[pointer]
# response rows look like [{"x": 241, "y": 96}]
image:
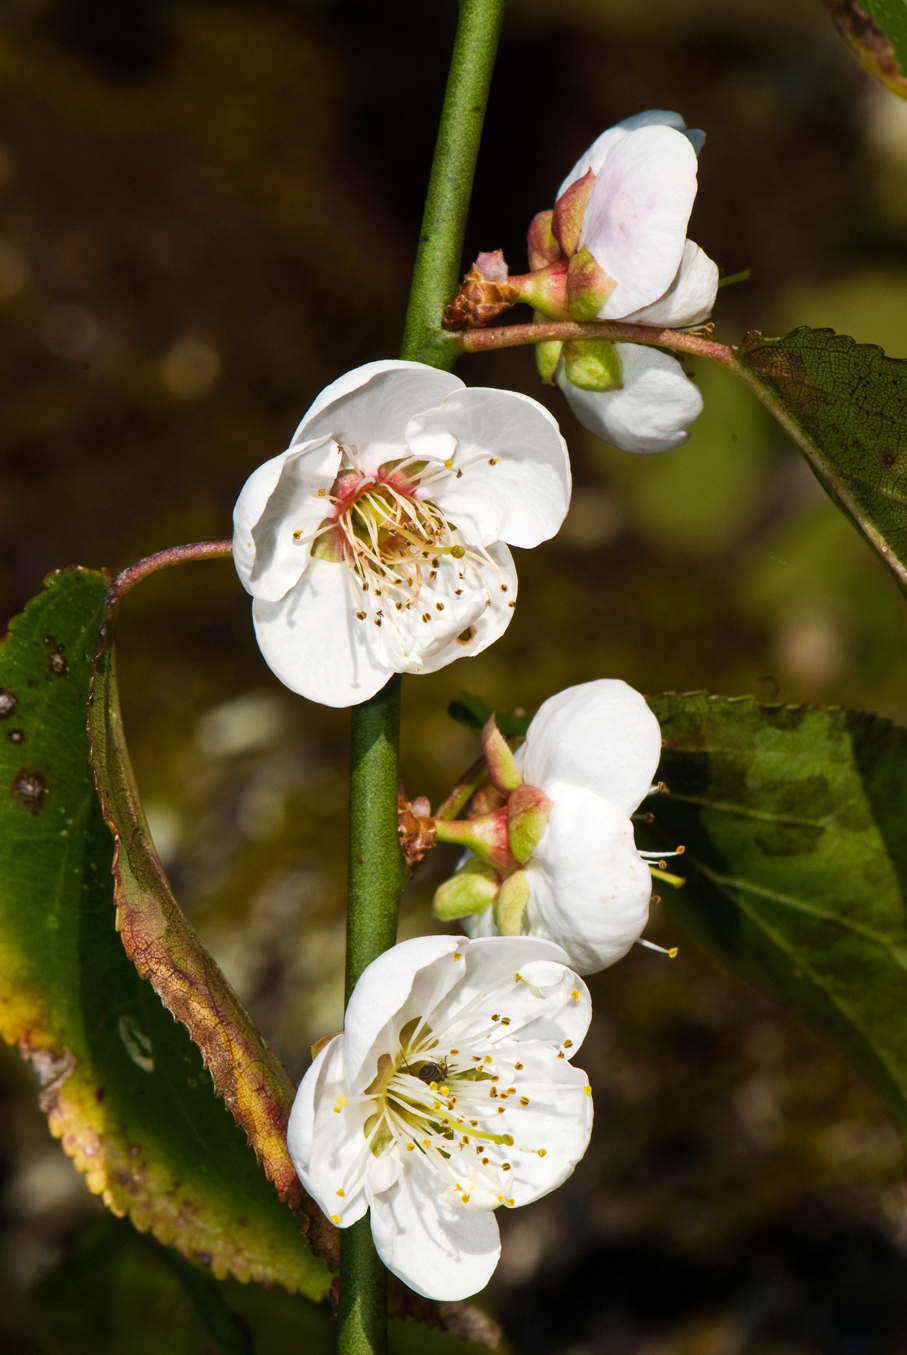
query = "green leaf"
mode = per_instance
[
  {"x": 796, "y": 863},
  {"x": 124, "y": 1086},
  {"x": 474, "y": 712},
  {"x": 845, "y": 404},
  {"x": 165, "y": 949},
  {"x": 876, "y": 32}
]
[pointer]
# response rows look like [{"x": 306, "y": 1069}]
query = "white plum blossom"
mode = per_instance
[
  {"x": 615, "y": 248},
  {"x": 449, "y": 1094},
  {"x": 377, "y": 543},
  {"x": 556, "y": 858}
]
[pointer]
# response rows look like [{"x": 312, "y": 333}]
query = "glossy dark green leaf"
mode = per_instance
[
  {"x": 845, "y": 404},
  {"x": 796, "y": 863},
  {"x": 474, "y": 712},
  {"x": 125, "y": 1088}
]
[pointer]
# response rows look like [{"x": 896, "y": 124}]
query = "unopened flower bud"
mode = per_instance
[
  {"x": 484, "y": 293},
  {"x": 593, "y": 365}
]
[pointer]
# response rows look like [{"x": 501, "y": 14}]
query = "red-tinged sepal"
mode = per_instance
[
  {"x": 471, "y": 890},
  {"x": 510, "y": 903},
  {"x": 487, "y": 838},
  {"x": 588, "y": 287},
  {"x": 527, "y": 817},
  {"x": 569, "y": 210},
  {"x": 543, "y": 244},
  {"x": 499, "y": 759},
  {"x": 545, "y": 290}
]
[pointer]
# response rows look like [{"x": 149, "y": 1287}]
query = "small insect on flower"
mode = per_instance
[{"x": 418, "y": 1140}]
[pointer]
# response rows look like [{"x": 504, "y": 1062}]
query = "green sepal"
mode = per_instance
[
  {"x": 510, "y": 903},
  {"x": 473, "y": 889},
  {"x": 593, "y": 365}
]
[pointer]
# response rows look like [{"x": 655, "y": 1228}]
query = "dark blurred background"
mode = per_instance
[{"x": 207, "y": 212}]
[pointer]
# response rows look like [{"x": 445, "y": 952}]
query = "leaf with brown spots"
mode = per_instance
[
  {"x": 876, "y": 33},
  {"x": 845, "y": 405},
  {"x": 124, "y": 1087},
  {"x": 165, "y": 949}
]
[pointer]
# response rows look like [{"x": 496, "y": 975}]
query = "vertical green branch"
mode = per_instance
[
  {"x": 376, "y": 875},
  {"x": 438, "y": 261}
]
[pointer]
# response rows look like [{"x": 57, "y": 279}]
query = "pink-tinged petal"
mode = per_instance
[
  {"x": 589, "y": 889},
  {"x": 274, "y": 520},
  {"x": 314, "y": 642},
  {"x": 636, "y": 221},
  {"x": 325, "y": 1142},
  {"x": 439, "y": 1251},
  {"x": 514, "y": 482},
  {"x": 369, "y": 408},
  {"x": 689, "y": 299},
  {"x": 399, "y": 984},
  {"x": 598, "y": 735},
  {"x": 652, "y": 410},
  {"x": 595, "y": 157}
]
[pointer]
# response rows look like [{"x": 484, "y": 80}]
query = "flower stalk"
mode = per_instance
[{"x": 376, "y": 871}]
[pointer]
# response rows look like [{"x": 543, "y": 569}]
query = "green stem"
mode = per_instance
[
  {"x": 376, "y": 875},
  {"x": 439, "y": 258}
]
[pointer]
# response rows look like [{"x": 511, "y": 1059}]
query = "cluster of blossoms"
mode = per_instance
[{"x": 378, "y": 543}]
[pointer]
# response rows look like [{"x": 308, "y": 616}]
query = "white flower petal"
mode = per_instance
[
  {"x": 396, "y": 986},
  {"x": 589, "y": 889},
  {"x": 439, "y": 1251},
  {"x": 514, "y": 481},
  {"x": 636, "y": 221},
  {"x": 557, "y": 1120},
  {"x": 368, "y": 409},
  {"x": 280, "y": 535},
  {"x": 689, "y": 299},
  {"x": 598, "y": 735},
  {"x": 324, "y": 1144},
  {"x": 312, "y": 640},
  {"x": 594, "y": 158},
  {"x": 467, "y": 625},
  {"x": 652, "y": 410}
]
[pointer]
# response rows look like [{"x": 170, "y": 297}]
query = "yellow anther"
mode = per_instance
[
  {"x": 505, "y": 1166},
  {"x": 524, "y": 1100},
  {"x": 568, "y": 1044},
  {"x": 465, "y": 1199},
  {"x": 432, "y": 1086},
  {"x": 496, "y": 1018},
  {"x": 457, "y": 955},
  {"x": 426, "y": 1143},
  {"x": 410, "y": 1147},
  {"x": 509, "y": 1203},
  {"x": 560, "y": 1053},
  {"x": 518, "y": 1066},
  {"x": 341, "y": 1102},
  {"x": 341, "y": 1192},
  {"x": 575, "y": 995},
  {"x": 445, "y": 1091},
  {"x": 454, "y": 1052},
  {"x": 508, "y": 1139},
  {"x": 448, "y": 463},
  {"x": 672, "y": 953},
  {"x": 542, "y": 1152},
  {"x": 322, "y": 493},
  {"x": 488, "y": 1058},
  {"x": 500, "y": 1110},
  {"x": 335, "y": 1218},
  {"x": 297, "y": 534},
  {"x": 587, "y": 1090},
  {"x": 505, "y": 1020}
]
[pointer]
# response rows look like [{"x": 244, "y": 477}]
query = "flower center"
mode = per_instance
[{"x": 387, "y": 530}]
